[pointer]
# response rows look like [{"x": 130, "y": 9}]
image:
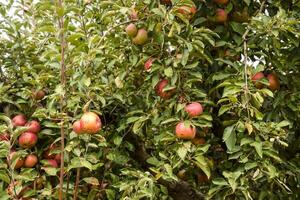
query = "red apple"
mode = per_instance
[
  {"x": 28, "y": 140},
  {"x": 274, "y": 83},
  {"x": 184, "y": 132},
  {"x": 194, "y": 109},
  {"x": 148, "y": 64},
  {"x": 48, "y": 153},
  {"x": 187, "y": 11},
  {"x": 4, "y": 137},
  {"x": 221, "y": 16},
  {"x": 256, "y": 78},
  {"x": 39, "y": 94},
  {"x": 77, "y": 127},
  {"x": 198, "y": 141},
  {"x": 51, "y": 163},
  {"x": 166, "y": 2},
  {"x": 30, "y": 161},
  {"x": 19, "y": 120},
  {"x": 202, "y": 178},
  {"x": 131, "y": 30},
  {"x": 159, "y": 89},
  {"x": 90, "y": 123},
  {"x": 34, "y": 126},
  {"x": 221, "y": 2},
  {"x": 20, "y": 161},
  {"x": 57, "y": 158}
]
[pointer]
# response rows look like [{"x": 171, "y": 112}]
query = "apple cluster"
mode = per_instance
[{"x": 273, "y": 80}]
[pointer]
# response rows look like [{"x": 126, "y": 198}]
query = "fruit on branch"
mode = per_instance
[
  {"x": 198, "y": 141},
  {"x": 183, "y": 132},
  {"x": 141, "y": 37},
  {"x": 133, "y": 14},
  {"x": 187, "y": 11},
  {"x": 194, "y": 109},
  {"x": 4, "y": 137},
  {"x": 27, "y": 140},
  {"x": 90, "y": 123},
  {"x": 33, "y": 126},
  {"x": 39, "y": 94},
  {"x": 166, "y": 2},
  {"x": 182, "y": 174},
  {"x": 221, "y": 15},
  {"x": 148, "y": 64},
  {"x": 49, "y": 153},
  {"x": 159, "y": 89},
  {"x": 131, "y": 30},
  {"x": 57, "y": 158},
  {"x": 240, "y": 16},
  {"x": 19, "y": 120},
  {"x": 221, "y": 2},
  {"x": 256, "y": 78},
  {"x": 50, "y": 163},
  {"x": 12, "y": 157},
  {"x": 77, "y": 127},
  {"x": 274, "y": 83},
  {"x": 30, "y": 161},
  {"x": 202, "y": 178}
]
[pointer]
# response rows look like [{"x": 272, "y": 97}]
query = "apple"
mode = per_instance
[
  {"x": 194, "y": 109},
  {"x": 274, "y": 83},
  {"x": 20, "y": 161},
  {"x": 28, "y": 140},
  {"x": 221, "y": 16},
  {"x": 166, "y": 2},
  {"x": 133, "y": 14},
  {"x": 160, "y": 87},
  {"x": 48, "y": 152},
  {"x": 4, "y": 137},
  {"x": 141, "y": 37},
  {"x": 39, "y": 94},
  {"x": 256, "y": 78},
  {"x": 202, "y": 178},
  {"x": 148, "y": 64},
  {"x": 183, "y": 132},
  {"x": 33, "y": 126},
  {"x": 221, "y": 2},
  {"x": 182, "y": 174},
  {"x": 50, "y": 163},
  {"x": 57, "y": 158},
  {"x": 30, "y": 161},
  {"x": 198, "y": 141},
  {"x": 187, "y": 11},
  {"x": 19, "y": 120},
  {"x": 90, "y": 123},
  {"x": 77, "y": 127},
  {"x": 131, "y": 30}
]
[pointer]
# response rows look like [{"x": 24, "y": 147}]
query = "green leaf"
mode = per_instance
[
  {"x": 258, "y": 148},
  {"x": 202, "y": 163},
  {"x": 229, "y": 137},
  {"x": 168, "y": 72},
  {"x": 91, "y": 180}
]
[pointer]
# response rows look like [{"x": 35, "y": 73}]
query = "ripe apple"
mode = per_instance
[
  {"x": 28, "y": 140},
  {"x": 141, "y": 37},
  {"x": 19, "y": 120},
  {"x": 202, "y": 178},
  {"x": 39, "y": 94},
  {"x": 166, "y": 2},
  {"x": 57, "y": 158},
  {"x": 198, "y": 141},
  {"x": 187, "y": 11},
  {"x": 221, "y": 16},
  {"x": 160, "y": 87},
  {"x": 30, "y": 161},
  {"x": 221, "y": 2},
  {"x": 131, "y": 30},
  {"x": 48, "y": 153},
  {"x": 184, "y": 132},
  {"x": 20, "y": 161},
  {"x": 148, "y": 64},
  {"x": 51, "y": 163},
  {"x": 34, "y": 126},
  {"x": 274, "y": 83},
  {"x": 77, "y": 127},
  {"x": 256, "y": 78},
  {"x": 4, "y": 137},
  {"x": 194, "y": 109},
  {"x": 90, "y": 123}
]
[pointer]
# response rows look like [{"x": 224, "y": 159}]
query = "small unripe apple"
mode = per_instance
[
  {"x": 221, "y": 16},
  {"x": 50, "y": 163},
  {"x": 27, "y": 140},
  {"x": 194, "y": 109},
  {"x": 34, "y": 126},
  {"x": 133, "y": 14},
  {"x": 141, "y": 37},
  {"x": 182, "y": 174},
  {"x": 256, "y": 78},
  {"x": 39, "y": 94},
  {"x": 20, "y": 161},
  {"x": 274, "y": 83},
  {"x": 184, "y": 132},
  {"x": 4, "y": 137},
  {"x": 148, "y": 64},
  {"x": 160, "y": 87},
  {"x": 19, "y": 120},
  {"x": 77, "y": 127},
  {"x": 131, "y": 30},
  {"x": 221, "y": 2},
  {"x": 30, "y": 161},
  {"x": 90, "y": 123}
]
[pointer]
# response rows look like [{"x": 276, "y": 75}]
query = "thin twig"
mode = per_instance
[{"x": 76, "y": 183}]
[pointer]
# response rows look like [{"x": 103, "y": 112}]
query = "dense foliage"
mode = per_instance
[{"x": 139, "y": 80}]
